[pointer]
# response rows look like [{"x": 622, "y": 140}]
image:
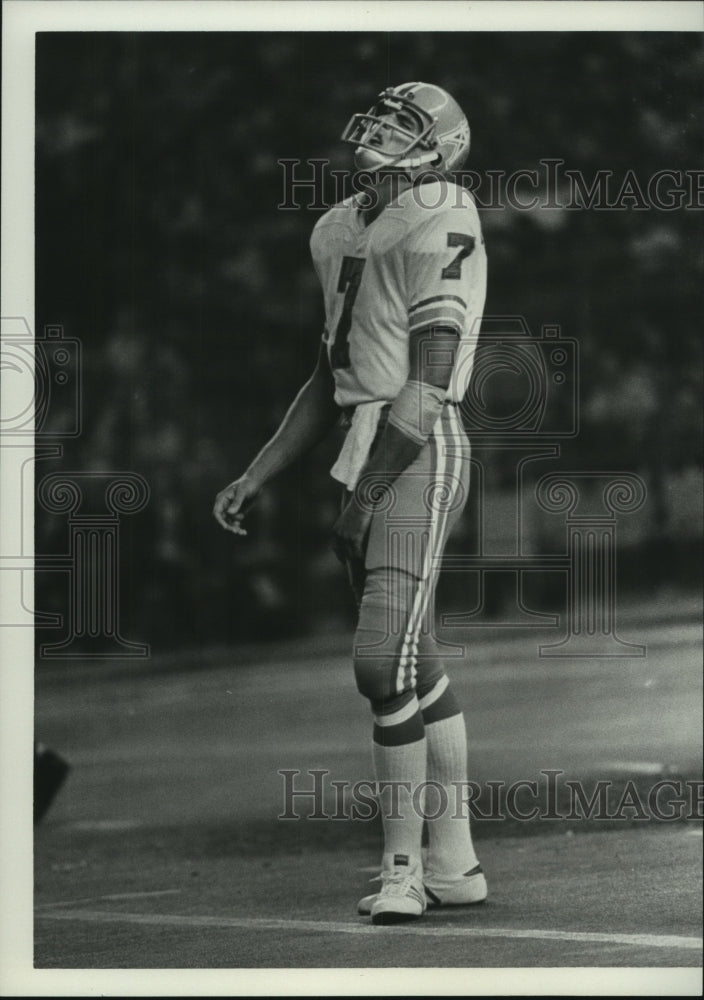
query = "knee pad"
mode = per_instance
[{"x": 384, "y": 664}]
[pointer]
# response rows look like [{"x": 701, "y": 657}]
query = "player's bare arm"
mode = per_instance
[
  {"x": 411, "y": 419},
  {"x": 309, "y": 418}
]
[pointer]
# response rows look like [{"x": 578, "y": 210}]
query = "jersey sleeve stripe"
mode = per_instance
[
  {"x": 436, "y": 317},
  {"x": 437, "y": 298},
  {"x": 445, "y": 324},
  {"x": 444, "y": 309}
]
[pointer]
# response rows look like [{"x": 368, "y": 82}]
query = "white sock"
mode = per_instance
[
  {"x": 450, "y": 849},
  {"x": 402, "y": 820}
]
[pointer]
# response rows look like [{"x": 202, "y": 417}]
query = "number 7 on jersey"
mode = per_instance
[
  {"x": 348, "y": 282},
  {"x": 466, "y": 243}
]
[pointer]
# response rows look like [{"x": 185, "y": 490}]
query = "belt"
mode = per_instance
[{"x": 348, "y": 411}]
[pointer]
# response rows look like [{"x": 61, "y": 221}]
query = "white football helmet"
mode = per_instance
[{"x": 408, "y": 126}]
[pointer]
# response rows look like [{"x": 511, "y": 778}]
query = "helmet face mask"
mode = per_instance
[
  {"x": 380, "y": 133},
  {"x": 409, "y": 126}
]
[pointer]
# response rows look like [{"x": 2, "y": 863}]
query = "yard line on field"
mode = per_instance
[
  {"x": 341, "y": 927},
  {"x": 645, "y": 767},
  {"x": 105, "y": 825},
  {"x": 112, "y": 895}
]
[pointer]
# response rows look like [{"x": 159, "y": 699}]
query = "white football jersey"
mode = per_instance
[{"x": 420, "y": 263}]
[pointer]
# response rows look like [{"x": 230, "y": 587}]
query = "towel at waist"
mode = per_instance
[{"x": 363, "y": 422}]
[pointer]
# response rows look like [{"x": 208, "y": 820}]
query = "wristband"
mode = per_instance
[{"x": 416, "y": 409}]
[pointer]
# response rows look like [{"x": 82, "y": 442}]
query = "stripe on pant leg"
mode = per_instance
[
  {"x": 436, "y": 460},
  {"x": 438, "y": 523},
  {"x": 434, "y": 549},
  {"x": 441, "y": 537}
]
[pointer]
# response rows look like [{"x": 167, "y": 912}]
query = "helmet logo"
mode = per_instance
[{"x": 457, "y": 139}]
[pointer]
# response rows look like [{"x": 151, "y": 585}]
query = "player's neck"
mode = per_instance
[
  {"x": 369, "y": 215},
  {"x": 377, "y": 198}
]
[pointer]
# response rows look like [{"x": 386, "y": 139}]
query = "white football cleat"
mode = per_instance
[
  {"x": 402, "y": 896},
  {"x": 465, "y": 890}
]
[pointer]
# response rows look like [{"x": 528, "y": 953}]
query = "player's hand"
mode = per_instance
[
  {"x": 232, "y": 503},
  {"x": 350, "y": 532}
]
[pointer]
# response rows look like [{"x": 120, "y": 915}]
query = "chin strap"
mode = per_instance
[
  {"x": 389, "y": 162},
  {"x": 417, "y": 161}
]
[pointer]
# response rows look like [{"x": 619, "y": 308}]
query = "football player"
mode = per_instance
[{"x": 402, "y": 267}]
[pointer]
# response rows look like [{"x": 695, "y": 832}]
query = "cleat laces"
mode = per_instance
[{"x": 396, "y": 883}]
